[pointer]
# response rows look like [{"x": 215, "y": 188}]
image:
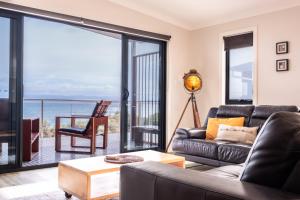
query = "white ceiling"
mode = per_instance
[{"x": 195, "y": 14}]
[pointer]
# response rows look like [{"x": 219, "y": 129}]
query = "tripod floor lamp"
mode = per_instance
[{"x": 192, "y": 83}]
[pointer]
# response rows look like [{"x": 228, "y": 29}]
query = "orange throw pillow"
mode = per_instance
[{"x": 213, "y": 125}]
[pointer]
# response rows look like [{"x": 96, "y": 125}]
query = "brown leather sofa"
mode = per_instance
[
  {"x": 271, "y": 171},
  {"x": 191, "y": 143}
]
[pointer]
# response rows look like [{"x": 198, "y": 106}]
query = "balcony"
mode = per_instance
[
  {"x": 142, "y": 134},
  {"x": 47, "y": 109}
]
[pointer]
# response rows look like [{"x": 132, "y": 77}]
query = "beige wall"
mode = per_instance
[
  {"x": 273, "y": 87},
  {"x": 178, "y": 47},
  {"x": 200, "y": 49}
]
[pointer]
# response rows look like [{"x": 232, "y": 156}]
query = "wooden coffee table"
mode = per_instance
[{"x": 93, "y": 178}]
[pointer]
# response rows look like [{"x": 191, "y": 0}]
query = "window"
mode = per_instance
[
  {"x": 239, "y": 69},
  {"x": 4, "y": 57}
]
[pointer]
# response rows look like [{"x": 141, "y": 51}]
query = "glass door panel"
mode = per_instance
[
  {"x": 142, "y": 95},
  {"x": 7, "y": 93}
]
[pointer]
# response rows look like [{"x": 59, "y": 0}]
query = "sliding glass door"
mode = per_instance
[
  {"x": 9, "y": 92},
  {"x": 143, "y": 103},
  {"x": 93, "y": 56}
]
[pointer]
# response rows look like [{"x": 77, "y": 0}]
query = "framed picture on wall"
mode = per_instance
[
  {"x": 282, "y": 47},
  {"x": 282, "y": 65}
]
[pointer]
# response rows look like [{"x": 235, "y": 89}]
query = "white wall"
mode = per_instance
[{"x": 273, "y": 87}]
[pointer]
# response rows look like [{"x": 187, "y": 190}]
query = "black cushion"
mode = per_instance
[
  {"x": 225, "y": 111},
  {"x": 257, "y": 122},
  {"x": 192, "y": 133},
  {"x": 275, "y": 153},
  {"x": 263, "y": 112},
  {"x": 229, "y": 171},
  {"x": 73, "y": 130},
  {"x": 197, "y": 133},
  {"x": 233, "y": 152},
  {"x": 198, "y": 147}
]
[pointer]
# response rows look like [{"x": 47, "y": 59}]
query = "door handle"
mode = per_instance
[{"x": 125, "y": 94}]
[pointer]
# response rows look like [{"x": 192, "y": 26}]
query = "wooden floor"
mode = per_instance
[
  {"x": 42, "y": 184},
  {"x": 30, "y": 185}
]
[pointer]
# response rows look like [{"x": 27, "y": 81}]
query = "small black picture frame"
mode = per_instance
[
  {"x": 282, "y": 47},
  {"x": 282, "y": 65}
]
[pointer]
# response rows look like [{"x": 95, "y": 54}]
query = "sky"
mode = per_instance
[
  {"x": 68, "y": 62},
  {"x": 63, "y": 61}
]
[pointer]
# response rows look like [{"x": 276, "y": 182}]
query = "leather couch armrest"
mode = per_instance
[
  {"x": 190, "y": 133},
  {"x": 156, "y": 181}
]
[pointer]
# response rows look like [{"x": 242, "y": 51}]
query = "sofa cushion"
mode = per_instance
[
  {"x": 263, "y": 112},
  {"x": 226, "y": 111},
  {"x": 214, "y": 123},
  {"x": 277, "y": 143},
  {"x": 233, "y": 152},
  {"x": 198, "y": 147},
  {"x": 229, "y": 171},
  {"x": 245, "y": 135}
]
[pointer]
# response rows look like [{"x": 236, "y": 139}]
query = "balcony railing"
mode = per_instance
[{"x": 48, "y": 109}]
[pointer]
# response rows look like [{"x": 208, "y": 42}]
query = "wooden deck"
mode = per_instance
[{"x": 48, "y": 155}]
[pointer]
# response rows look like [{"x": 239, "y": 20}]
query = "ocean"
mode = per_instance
[{"x": 51, "y": 109}]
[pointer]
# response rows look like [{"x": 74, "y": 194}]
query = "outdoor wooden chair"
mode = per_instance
[{"x": 89, "y": 132}]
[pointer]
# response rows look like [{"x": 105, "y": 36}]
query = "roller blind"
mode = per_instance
[{"x": 238, "y": 41}]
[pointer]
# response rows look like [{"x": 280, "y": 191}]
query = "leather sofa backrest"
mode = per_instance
[
  {"x": 225, "y": 111},
  {"x": 274, "y": 157},
  {"x": 263, "y": 112},
  {"x": 212, "y": 113}
]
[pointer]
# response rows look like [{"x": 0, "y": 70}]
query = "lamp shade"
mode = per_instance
[{"x": 192, "y": 81}]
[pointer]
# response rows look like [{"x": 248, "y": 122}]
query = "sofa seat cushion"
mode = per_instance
[
  {"x": 198, "y": 147},
  {"x": 229, "y": 171},
  {"x": 233, "y": 152}
]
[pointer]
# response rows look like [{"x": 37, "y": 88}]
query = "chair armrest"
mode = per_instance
[
  {"x": 74, "y": 117},
  {"x": 159, "y": 181},
  {"x": 79, "y": 116},
  {"x": 190, "y": 133}
]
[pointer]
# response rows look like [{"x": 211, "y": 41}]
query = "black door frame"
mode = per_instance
[
  {"x": 16, "y": 50},
  {"x": 125, "y": 89}
]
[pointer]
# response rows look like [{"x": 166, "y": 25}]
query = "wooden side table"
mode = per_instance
[{"x": 31, "y": 137}]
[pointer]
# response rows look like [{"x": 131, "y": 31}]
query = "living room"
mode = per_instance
[{"x": 217, "y": 67}]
